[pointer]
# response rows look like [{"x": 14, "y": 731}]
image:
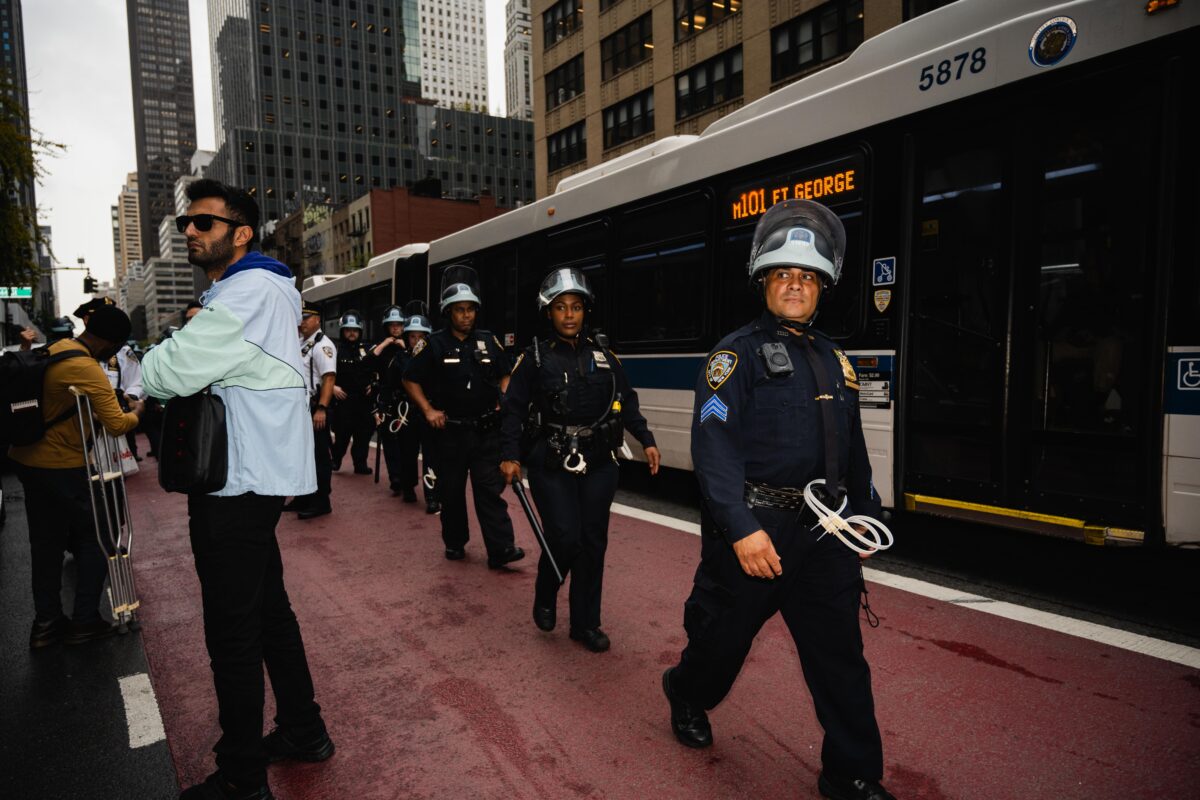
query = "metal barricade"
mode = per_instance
[{"x": 110, "y": 511}]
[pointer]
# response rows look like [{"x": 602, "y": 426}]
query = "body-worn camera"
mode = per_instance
[{"x": 776, "y": 359}]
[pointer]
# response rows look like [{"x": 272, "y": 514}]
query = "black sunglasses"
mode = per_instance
[{"x": 203, "y": 222}]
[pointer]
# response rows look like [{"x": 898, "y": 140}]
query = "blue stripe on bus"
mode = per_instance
[{"x": 663, "y": 372}]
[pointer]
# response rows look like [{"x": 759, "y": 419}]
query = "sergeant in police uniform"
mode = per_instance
[
  {"x": 318, "y": 359},
  {"x": 456, "y": 381},
  {"x": 777, "y": 407},
  {"x": 581, "y": 403},
  {"x": 352, "y": 417}
]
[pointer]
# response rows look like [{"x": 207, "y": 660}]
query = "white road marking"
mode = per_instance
[
  {"x": 141, "y": 711},
  {"x": 1114, "y": 637}
]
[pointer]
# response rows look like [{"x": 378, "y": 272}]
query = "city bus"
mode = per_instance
[{"x": 1017, "y": 296}]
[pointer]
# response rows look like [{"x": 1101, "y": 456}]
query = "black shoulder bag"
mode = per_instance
[{"x": 194, "y": 451}]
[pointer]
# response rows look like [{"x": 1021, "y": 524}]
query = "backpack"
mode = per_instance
[{"x": 22, "y": 384}]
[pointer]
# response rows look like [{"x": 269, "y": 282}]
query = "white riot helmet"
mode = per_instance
[
  {"x": 460, "y": 284},
  {"x": 799, "y": 233},
  {"x": 393, "y": 314},
  {"x": 418, "y": 324},
  {"x": 564, "y": 281},
  {"x": 352, "y": 320}
]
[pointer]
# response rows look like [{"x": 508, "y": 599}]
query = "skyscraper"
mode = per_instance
[
  {"x": 164, "y": 109},
  {"x": 518, "y": 60},
  {"x": 317, "y": 103},
  {"x": 127, "y": 229},
  {"x": 454, "y": 53}
]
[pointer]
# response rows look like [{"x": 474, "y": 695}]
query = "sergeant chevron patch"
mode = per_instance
[{"x": 714, "y": 408}]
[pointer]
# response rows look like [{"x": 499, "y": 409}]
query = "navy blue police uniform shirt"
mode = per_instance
[
  {"x": 747, "y": 426},
  {"x": 355, "y": 368},
  {"x": 461, "y": 378},
  {"x": 582, "y": 377},
  {"x": 391, "y": 381}
]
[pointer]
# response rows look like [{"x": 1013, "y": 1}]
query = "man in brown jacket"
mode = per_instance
[{"x": 55, "y": 480}]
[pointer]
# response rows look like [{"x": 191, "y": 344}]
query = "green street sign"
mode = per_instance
[{"x": 16, "y": 292}]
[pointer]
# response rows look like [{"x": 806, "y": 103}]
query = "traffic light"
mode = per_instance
[{"x": 89, "y": 284}]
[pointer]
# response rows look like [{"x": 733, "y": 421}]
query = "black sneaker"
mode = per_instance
[
  {"x": 279, "y": 746},
  {"x": 837, "y": 788},
  {"x": 49, "y": 633},
  {"x": 513, "y": 553},
  {"x": 215, "y": 787},
  {"x": 95, "y": 630}
]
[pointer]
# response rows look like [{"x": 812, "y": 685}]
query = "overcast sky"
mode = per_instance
[{"x": 77, "y": 60}]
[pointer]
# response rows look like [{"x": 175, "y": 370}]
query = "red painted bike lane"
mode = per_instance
[{"x": 436, "y": 684}]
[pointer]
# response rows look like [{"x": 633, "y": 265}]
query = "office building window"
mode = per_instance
[
  {"x": 564, "y": 83},
  {"x": 629, "y": 119},
  {"x": 709, "y": 83},
  {"x": 566, "y": 147},
  {"x": 561, "y": 20},
  {"x": 694, "y": 16},
  {"x": 631, "y": 45},
  {"x": 826, "y": 32}
]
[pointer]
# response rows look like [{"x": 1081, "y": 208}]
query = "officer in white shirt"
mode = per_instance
[{"x": 318, "y": 359}]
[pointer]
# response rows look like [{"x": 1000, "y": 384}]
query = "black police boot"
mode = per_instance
[
  {"x": 688, "y": 721},
  {"x": 362, "y": 469},
  {"x": 511, "y": 554},
  {"x": 593, "y": 639},
  {"x": 432, "y": 506},
  {"x": 318, "y": 510},
  {"x": 216, "y": 787},
  {"x": 455, "y": 554},
  {"x": 410, "y": 495},
  {"x": 837, "y": 788},
  {"x": 45, "y": 634},
  {"x": 281, "y": 745},
  {"x": 545, "y": 616},
  {"x": 95, "y": 630}
]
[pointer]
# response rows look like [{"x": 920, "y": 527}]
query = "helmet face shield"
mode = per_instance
[
  {"x": 799, "y": 233},
  {"x": 460, "y": 284},
  {"x": 393, "y": 314},
  {"x": 414, "y": 307},
  {"x": 564, "y": 281}
]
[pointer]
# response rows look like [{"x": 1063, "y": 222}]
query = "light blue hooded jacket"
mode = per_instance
[{"x": 244, "y": 344}]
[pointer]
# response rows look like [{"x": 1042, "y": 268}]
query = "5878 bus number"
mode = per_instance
[{"x": 952, "y": 69}]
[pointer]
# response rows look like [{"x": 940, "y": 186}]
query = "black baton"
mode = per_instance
[
  {"x": 519, "y": 488},
  {"x": 378, "y": 447}
]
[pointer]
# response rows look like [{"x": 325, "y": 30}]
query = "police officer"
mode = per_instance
[
  {"x": 776, "y": 408},
  {"x": 405, "y": 430},
  {"x": 581, "y": 402},
  {"x": 318, "y": 364},
  {"x": 352, "y": 417},
  {"x": 388, "y": 392},
  {"x": 456, "y": 381}
]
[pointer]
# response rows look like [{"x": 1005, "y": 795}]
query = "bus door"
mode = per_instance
[{"x": 958, "y": 321}]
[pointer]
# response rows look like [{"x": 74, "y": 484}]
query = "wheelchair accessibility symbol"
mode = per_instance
[{"x": 1189, "y": 374}]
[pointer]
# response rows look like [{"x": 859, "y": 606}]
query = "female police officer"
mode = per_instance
[
  {"x": 776, "y": 408},
  {"x": 581, "y": 402}
]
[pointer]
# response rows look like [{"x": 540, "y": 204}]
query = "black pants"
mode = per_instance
[
  {"x": 460, "y": 450},
  {"x": 248, "y": 622},
  {"x": 60, "y": 518},
  {"x": 574, "y": 510},
  {"x": 353, "y": 420},
  {"x": 152, "y": 423},
  {"x": 400, "y": 451},
  {"x": 818, "y": 595},
  {"x": 321, "y": 452}
]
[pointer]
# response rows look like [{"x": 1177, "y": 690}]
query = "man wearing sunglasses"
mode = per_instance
[{"x": 242, "y": 344}]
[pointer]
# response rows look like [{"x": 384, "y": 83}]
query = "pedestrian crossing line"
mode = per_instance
[
  {"x": 141, "y": 711},
  {"x": 1103, "y": 634}
]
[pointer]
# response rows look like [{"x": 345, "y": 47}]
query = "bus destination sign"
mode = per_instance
[{"x": 835, "y": 182}]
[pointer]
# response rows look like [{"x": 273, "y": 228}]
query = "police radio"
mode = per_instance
[{"x": 776, "y": 359}]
